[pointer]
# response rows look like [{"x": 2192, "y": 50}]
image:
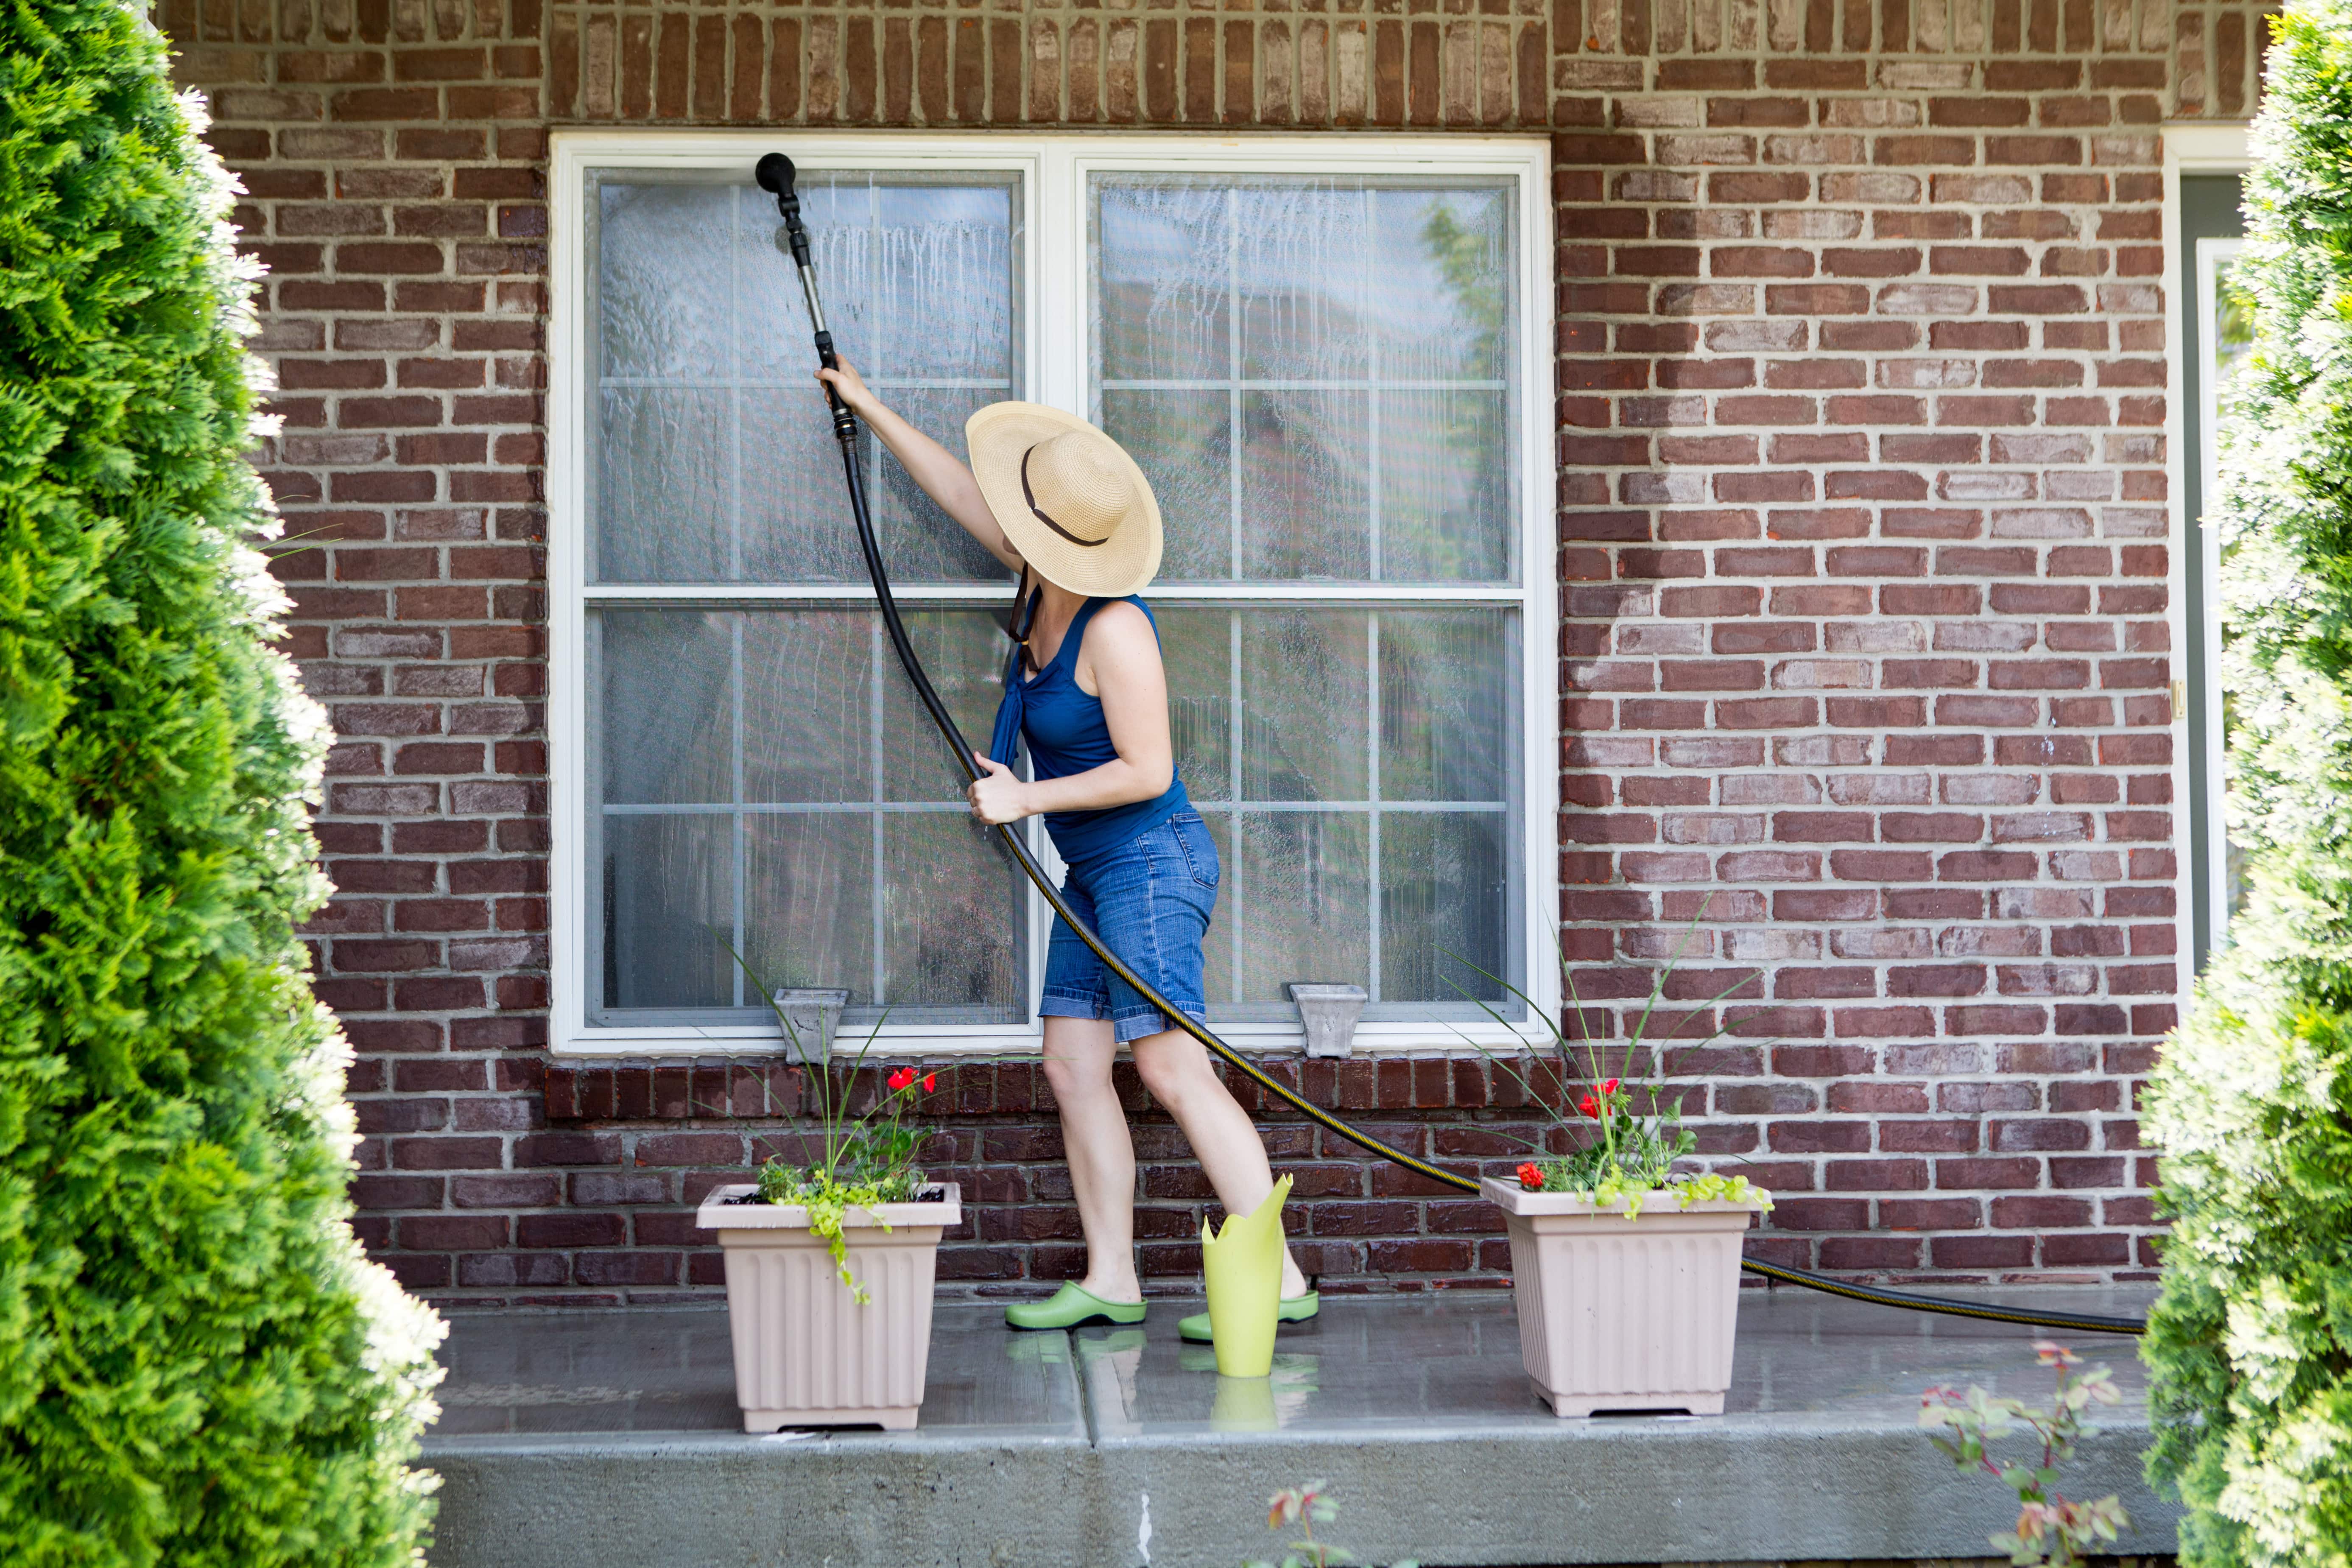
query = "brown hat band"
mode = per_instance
[{"x": 1030, "y": 496}]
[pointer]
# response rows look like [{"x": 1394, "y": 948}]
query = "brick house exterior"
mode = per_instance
[{"x": 1864, "y": 570}]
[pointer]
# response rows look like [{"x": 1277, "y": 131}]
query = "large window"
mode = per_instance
[{"x": 1321, "y": 352}]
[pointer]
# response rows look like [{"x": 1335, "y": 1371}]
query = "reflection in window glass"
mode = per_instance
[
  {"x": 767, "y": 785},
  {"x": 705, "y": 465},
  {"x": 2226, "y": 336},
  {"x": 761, "y": 782},
  {"x": 1316, "y": 374},
  {"x": 1319, "y": 366}
]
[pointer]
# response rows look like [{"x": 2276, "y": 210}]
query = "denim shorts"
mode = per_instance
[{"x": 1149, "y": 899}]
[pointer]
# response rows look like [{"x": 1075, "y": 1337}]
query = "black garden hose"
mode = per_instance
[{"x": 775, "y": 174}]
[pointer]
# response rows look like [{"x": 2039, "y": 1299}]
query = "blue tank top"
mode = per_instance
[{"x": 1068, "y": 734}]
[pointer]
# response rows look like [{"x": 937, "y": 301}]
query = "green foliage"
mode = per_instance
[
  {"x": 2051, "y": 1527},
  {"x": 2250, "y": 1346},
  {"x": 197, "y": 1366},
  {"x": 861, "y": 1161},
  {"x": 1304, "y": 1508}
]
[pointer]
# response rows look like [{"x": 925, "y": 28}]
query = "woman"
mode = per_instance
[{"x": 1062, "y": 504}]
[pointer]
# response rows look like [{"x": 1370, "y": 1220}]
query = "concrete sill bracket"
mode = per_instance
[
  {"x": 1330, "y": 1013},
  {"x": 813, "y": 1014}
]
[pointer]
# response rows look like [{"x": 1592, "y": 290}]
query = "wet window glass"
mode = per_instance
[
  {"x": 771, "y": 806},
  {"x": 1317, "y": 374}
]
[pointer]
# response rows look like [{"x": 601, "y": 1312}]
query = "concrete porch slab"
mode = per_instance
[{"x": 576, "y": 1439}]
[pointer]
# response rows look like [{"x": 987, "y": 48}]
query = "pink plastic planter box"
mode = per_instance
[
  {"x": 806, "y": 1354},
  {"x": 1618, "y": 1314}
]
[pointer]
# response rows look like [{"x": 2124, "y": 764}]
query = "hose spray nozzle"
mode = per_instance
[{"x": 775, "y": 174}]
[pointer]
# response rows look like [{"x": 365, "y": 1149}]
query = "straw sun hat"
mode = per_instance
[{"x": 1068, "y": 497}]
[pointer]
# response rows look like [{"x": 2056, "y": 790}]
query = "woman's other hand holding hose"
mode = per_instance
[{"x": 999, "y": 796}]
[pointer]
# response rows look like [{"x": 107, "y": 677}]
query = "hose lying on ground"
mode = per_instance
[{"x": 775, "y": 174}]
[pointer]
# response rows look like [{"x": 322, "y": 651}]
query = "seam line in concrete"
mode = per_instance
[{"x": 1086, "y": 1389}]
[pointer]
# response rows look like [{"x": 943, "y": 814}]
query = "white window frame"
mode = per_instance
[{"x": 1053, "y": 169}]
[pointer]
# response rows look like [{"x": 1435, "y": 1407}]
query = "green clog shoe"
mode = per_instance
[
  {"x": 1071, "y": 1308},
  {"x": 1289, "y": 1310}
]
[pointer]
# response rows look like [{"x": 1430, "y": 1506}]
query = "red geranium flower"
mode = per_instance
[
  {"x": 1609, "y": 1087},
  {"x": 901, "y": 1079},
  {"x": 1590, "y": 1106},
  {"x": 1530, "y": 1176},
  {"x": 931, "y": 1081}
]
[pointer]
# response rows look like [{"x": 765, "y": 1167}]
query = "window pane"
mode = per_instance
[
  {"x": 668, "y": 698},
  {"x": 1314, "y": 372},
  {"x": 2226, "y": 340},
  {"x": 1445, "y": 466},
  {"x": 1446, "y": 686},
  {"x": 955, "y": 906},
  {"x": 713, "y": 459},
  {"x": 965, "y": 652},
  {"x": 1444, "y": 887},
  {"x": 1304, "y": 705},
  {"x": 668, "y": 907},
  {"x": 1186, "y": 437},
  {"x": 664, "y": 484},
  {"x": 808, "y": 706},
  {"x": 768, "y": 784},
  {"x": 1442, "y": 293},
  {"x": 1306, "y": 460},
  {"x": 654, "y": 320},
  {"x": 1165, "y": 286},
  {"x": 1196, "y": 648},
  {"x": 808, "y": 902},
  {"x": 1301, "y": 908},
  {"x": 1305, "y": 255}
]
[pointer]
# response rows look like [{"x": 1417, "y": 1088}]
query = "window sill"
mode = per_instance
[
  {"x": 755, "y": 1045},
  {"x": 1395, "y": 1074}
]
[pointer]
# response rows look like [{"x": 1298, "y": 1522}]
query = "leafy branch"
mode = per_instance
[{"x": 2051, "y": 1527}]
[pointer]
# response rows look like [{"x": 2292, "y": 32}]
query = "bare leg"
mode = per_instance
[
  {"x": 1177, "y": 1070},
  {"x": 1079, "y": 1053}
]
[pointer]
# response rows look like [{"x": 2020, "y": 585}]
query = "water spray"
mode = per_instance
[{"x": 775, "y": 176}]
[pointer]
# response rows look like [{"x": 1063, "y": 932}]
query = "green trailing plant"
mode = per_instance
[
  {"x": 2250, "y": 1343},
  {"x": 197, "y": 1365},
  {"x": 1617, "y": 1150},
  {"x": 861, "y": 1160},
  {"x": 1302, "y": 1508},
  {"x": 2051, "y": 1527}
]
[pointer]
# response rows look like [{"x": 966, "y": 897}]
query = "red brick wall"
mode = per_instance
[{"x": 1863, "y": 562}]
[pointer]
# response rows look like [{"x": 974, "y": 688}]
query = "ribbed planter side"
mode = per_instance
[
  {"x": 806, "y": 1354},
  {"x": 1618, "y": 1314}
]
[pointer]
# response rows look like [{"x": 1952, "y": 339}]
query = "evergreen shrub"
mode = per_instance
[
  {"x": 2250, "y": 1346},
  {"x": 197, "y": 1365}
]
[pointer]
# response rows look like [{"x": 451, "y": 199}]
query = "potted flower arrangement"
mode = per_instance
[
  {"x": 1624, "y": 1268},
  {"x": 830, "y": 1264}
]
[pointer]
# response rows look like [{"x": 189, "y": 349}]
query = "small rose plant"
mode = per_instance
[
  {"x": 1304, "y": 1508},
  {"x": 2051, "y": 1528}
]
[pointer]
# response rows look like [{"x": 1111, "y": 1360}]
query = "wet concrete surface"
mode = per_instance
[
  {"x": 673, "y": 1370},
  {"x": 577, "y": 1439}
]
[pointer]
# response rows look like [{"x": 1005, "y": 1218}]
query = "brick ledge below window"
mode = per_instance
[{"x": 765, "y": 1089}]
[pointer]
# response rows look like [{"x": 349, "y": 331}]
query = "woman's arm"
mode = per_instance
[
  {"x": 943, "y": 477},
  {"x": 1125, "y": 653}
]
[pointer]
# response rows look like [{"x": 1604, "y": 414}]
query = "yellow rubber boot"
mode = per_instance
[{"x": 1244, "y": 1268}]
